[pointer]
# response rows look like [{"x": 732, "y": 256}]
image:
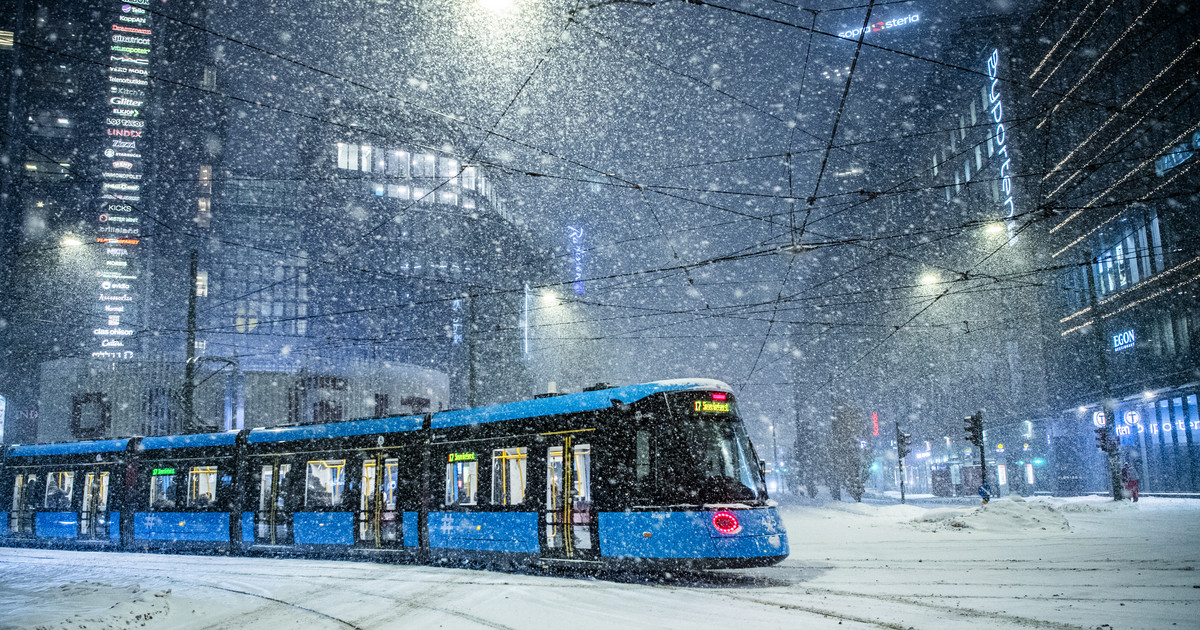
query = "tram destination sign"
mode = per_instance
[
  {"x": 462, "y": 457},
  {"x": 162, "y": 471},
  {"x": 712, "y": 406}
]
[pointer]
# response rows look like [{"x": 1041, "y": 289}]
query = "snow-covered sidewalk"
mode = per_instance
[{"x": 1046, "y": 563}]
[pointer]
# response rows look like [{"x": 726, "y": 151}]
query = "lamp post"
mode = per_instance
[{"x": 775, "y": 459}]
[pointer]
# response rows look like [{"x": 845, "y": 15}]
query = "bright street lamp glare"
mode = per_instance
[
  {"x": 995, "y": 228},
  {"x": 549, "y": 299},
  {"x": 496, "y": 6},
  {"x": 929, "y": 279},
  {"x": 71, "y": 241}
]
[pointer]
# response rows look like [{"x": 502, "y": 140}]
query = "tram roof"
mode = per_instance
[
  {"x": 67, "y": 448},
  {"x": 570, "y": 403},
  {"x": 225, "y": 438},
  {"x": 337, "y": 429}
]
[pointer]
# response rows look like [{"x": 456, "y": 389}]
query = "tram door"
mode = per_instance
[
  {"x": 378, "y": 518},
  {"x": 24, "y": 502},
  {"x": 570, "y": 531},
  {"x": 273, "y": 523},
  {"x": 93, "y": 511}
]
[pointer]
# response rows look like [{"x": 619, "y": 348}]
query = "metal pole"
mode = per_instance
[
  {"x": 900, "y": 458},
  {"x": 1106, "y": 400},
  {"x": 472, "y": 389},
  {"x": 775, "y": 463},
  {"x": 189, "y": 368}
]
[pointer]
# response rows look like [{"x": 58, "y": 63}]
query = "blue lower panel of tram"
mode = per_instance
[
  {"x": 323, "y": 528},
  {"x": 181, "y": 526},
  {"x": 690, "y": 535},
  {"x": 3, "y": 524},
  {"x": 248, "y": 527},
  {"x": 513, "y": 532},
  {"x": 412, "y": 530},
  {"x": 57, "y": 524}
]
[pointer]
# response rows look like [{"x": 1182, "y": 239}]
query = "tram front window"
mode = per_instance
[{"x": 698, "y": 460}]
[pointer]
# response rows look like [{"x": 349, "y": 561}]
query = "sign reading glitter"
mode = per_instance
[
  {"x": 996, "y": 108},
  {"x": 125, "y": 132}
]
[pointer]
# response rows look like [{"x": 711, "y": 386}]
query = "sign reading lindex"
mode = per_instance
[{"x": 117, "y": 217}]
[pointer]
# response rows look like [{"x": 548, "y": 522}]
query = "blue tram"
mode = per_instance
[{"x": 654, "y": 475}]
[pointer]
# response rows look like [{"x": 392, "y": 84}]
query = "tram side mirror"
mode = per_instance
[{"x": 762, "y": 466}]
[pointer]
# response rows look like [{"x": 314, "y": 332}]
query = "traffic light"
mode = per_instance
[
  {"x": 903, "y": 440},
  {"x": 974, "y": 429},
  {"x": 1103, "y": 441}
]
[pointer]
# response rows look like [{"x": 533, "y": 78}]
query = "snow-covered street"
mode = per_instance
[{"x": 1048, "y": 563}]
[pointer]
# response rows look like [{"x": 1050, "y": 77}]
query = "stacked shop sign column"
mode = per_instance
[{"x": 122, "y": 193}]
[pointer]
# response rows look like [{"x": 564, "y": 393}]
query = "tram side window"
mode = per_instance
[
  {"x": 326, "y": 480},
  {"x": 508, "y": 476},
  {"x": 162, "y": 489},
  {"x": 643, "y": 454},
  {"x": 59, "y": 489},
  {"x": 202, "y": 486},
  {"x": 461, "y": 480}
]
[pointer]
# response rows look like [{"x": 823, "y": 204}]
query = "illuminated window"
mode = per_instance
[
  {"x": 508, "y": 476},
  {"x": 366, "y": 158},
  {"x": 209, "y": 80},
  {"x": 326, "y": 480},
  {"x": 264, "y": 487},
  {"x": 398, "y": 163},
  {"x": 447, "y": 197},
  {"x": 60, "y": 487},
  {"x": 425, "y": 165},
  {"x": 162, "y": 489},
  {"x": 468, "y": 178},
  {"x": 204, "y": 212},
  {"x": 205, "y": 180},
  {"x": 398, "y": 191},
  {"x": 6, "y": 40},
  {"x": 461, "y": 479},
  {"x": 201, "y": 284},
  {"x": 246, "y": 317},
  {"x": 202, "y": 486},
  {"x": 343, "y": 155}
]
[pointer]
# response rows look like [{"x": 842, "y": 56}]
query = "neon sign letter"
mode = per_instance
[{"x": 997, "y": 110}]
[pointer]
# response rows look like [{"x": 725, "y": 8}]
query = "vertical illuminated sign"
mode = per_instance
[
  {"x": 996, "y": 110},
  {"x": 874, "y": 423},
  {"x": 576, "y": 236},
  {"x": 3, "y": 408},
  {"x": 125, "y": 100}
]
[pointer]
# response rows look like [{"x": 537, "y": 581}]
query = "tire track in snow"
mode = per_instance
[
  {"x": 959, "y": 611},
  {"x": 283, "y": 602}
]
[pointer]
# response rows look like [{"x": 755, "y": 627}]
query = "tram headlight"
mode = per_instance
[{"x": 726, "y": 522}]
